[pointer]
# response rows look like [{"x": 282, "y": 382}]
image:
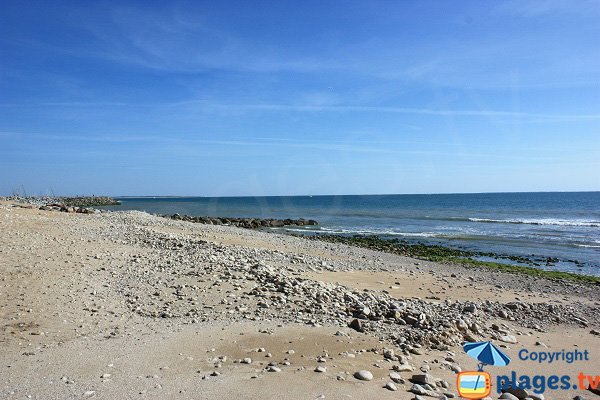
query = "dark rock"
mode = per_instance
[
  {"x": 517, "y": 392},
  {"x": 248, "y": 223},
  {"x": 595, "y": 391},
  {"x": 356, "y": 325},
  {"x": 508, "y": 396}
]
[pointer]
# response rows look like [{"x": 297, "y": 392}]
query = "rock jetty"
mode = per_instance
[
  {"x": 88, "y": 201},
  {"x": 249, "y": 223},
  {"x": 78, "y": 201},
  {"x": 67, "y": 209}
]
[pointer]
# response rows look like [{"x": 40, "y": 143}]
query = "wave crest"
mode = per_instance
[{"x": 541, "y": 221}]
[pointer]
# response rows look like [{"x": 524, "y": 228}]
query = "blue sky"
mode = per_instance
[{"x": 299, "y": 97}]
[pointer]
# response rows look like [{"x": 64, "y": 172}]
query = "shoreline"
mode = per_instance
[
  {"x": 137, "y": 293},
  {"x": 446, "y": 254},
  {"x": 416, "y": 249}
]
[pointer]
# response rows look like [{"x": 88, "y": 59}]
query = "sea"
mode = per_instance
[{"x": 560, "y": 225}]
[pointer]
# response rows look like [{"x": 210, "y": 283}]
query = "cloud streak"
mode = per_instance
[{"x": 205, "y": 106}]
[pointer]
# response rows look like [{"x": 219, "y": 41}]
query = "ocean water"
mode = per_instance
[{"x": 562, "y": 225}]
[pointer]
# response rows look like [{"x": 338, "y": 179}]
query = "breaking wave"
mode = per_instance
[{"x": 541, "y": 221}]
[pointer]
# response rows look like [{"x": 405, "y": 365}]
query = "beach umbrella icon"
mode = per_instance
[{"x": 487, "y": 353}]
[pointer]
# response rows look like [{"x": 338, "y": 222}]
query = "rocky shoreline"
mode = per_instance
[{"x": 438, "y": 253}]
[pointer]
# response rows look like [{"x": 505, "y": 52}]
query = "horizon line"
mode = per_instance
[{"x": 354, "y": 194}]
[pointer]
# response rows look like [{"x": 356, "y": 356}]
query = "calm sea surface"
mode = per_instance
[{"x": 561, "y": 225}]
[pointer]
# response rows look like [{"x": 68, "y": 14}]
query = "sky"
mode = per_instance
[{"x": 256, "y": 98}]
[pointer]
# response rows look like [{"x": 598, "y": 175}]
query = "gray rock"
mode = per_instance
[
  {"x": 508, "y": 396},
  {"x": 356, "y": 325},
  {"x": 455, "y": 368},
  {"x": 388, "y": 354},
  {"x": 469, "y": 308},
  {"x": 416, "y": 351},
  {"x": 508, "y": 339},
  {"x": 423, "y": 379},
  {"x": 418, "y": 389},
  {"x": 321, "y": 368},
  {"x": 395, "y": 377},
  {"x": 391, "y": 386},
  {"x": 423, "y": 390},
  {"x": 363, "y": 375}
]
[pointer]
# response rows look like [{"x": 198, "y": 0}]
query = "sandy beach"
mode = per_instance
[{"x": 126, "y": 305}]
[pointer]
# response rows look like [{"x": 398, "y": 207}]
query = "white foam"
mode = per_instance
[{"x": 541, "y": 221}]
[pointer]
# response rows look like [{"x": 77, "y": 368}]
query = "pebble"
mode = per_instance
[
  {"x": 517, "y": 392},
  {"x": 321, "y": 368},
  {"x": 403, "y": 368},
  {"x": 391, "y": 386},
  {"x": 395, "y": 377},
  {"x": 508, "y": 396},
  {"x": 423, "y": 379},
  {"x": 508, "y": 339},
  {"x": 418, "y": 389},
  {"x": 272, "y": 368},
  {"x": 363, "y": 375}
]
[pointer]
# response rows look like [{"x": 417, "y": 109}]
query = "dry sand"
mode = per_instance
[{"x": 68, "y": 332}]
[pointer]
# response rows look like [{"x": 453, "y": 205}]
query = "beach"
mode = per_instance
[{"x": 128, "y": 305}]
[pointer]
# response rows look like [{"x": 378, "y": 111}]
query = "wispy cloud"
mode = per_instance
[
  {"x": 407, "y": 110},
  {"x": 208, "y": 106},
  {"x": 197, "y": 146},
  {"x": 171, "y": 41},
  {"x": 534, "y": 8}
]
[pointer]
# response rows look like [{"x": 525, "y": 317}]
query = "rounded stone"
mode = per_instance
[{"x": 363, "y": 375}]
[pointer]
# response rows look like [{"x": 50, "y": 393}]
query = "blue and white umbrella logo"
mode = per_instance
[{"x": 486, "y": 353}]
